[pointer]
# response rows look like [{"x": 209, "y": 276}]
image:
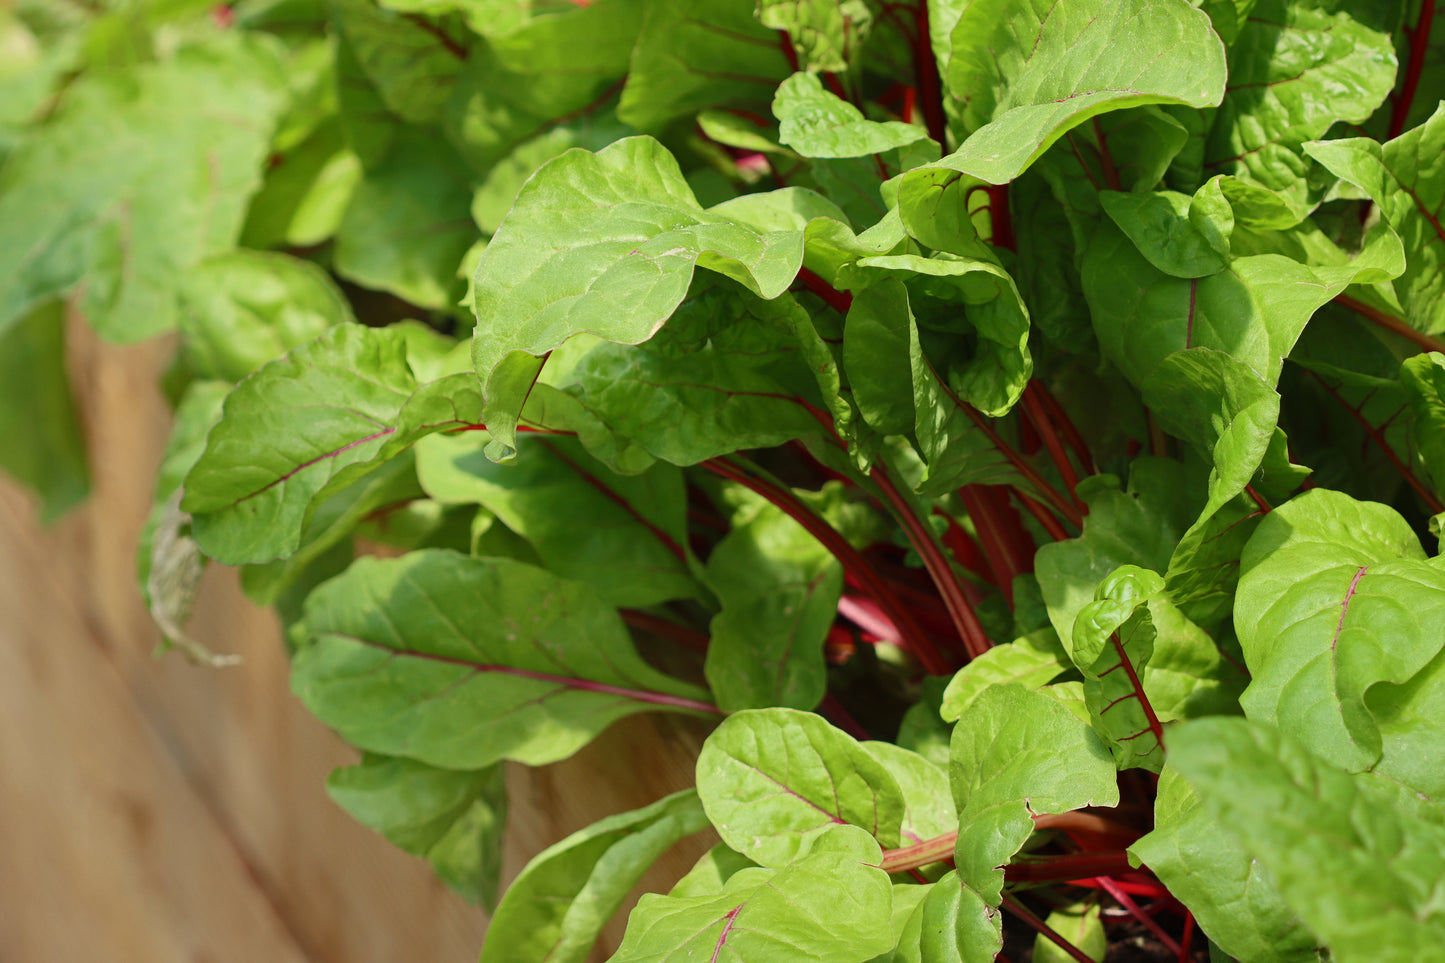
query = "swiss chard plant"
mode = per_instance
[{"x": 1017, "y": 426}]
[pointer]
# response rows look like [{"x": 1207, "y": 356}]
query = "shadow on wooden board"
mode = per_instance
[{"x": 154, "y": 811}]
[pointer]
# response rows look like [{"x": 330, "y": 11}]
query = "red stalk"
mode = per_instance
[
  {"x": 1042, "y": 515},
  {"x": 1389, "y": 322},
  {"x": 1038, "y": 414},
  {"x": 912, "y": 637},
  {"x": 921, "y": 537},
  {"x": 1053, "y": 869},
  {"x": 1149, "y": 923},
  {"x": 665, "y": 629},
  {"x": 1039, "y": 926},
  {"x": 841, "y": 718},
  {"x": 1066, "y": 425},
  {"x": 1419, "y": 43},
  {"x": 1186, "y": 943},
  {"x": 1007, "y": 547},
  {"x": 1000, "y": 218},
  {"x": 1106, "y": 160},
  {"x": 930, "y": 87},
  {"x": 839, "y": 301}
]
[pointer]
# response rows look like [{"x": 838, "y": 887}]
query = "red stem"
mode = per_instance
[
  {"x": 665, "y": 628},
  {"x": 1126, "y": 901},
  {"x": 1068, "y": 866},
  {"x": 1043, "y": 516},
  {"x": 1001, "y": 220},
  {"x": 785, "y": 40},
  {"x": 1038, "y": 413},
  {"x": 1185, "y": 944},
  {"x": 1008, "y": 549},
  {"x": 930, "y": 89},
  {"x": 1106, "y": 160},
  {"x": 922, "y": 538},
  {"x": 1027, "y": 915},
  {"x": 841, "y": 718},
  {"x": 1391, "y": 323},
  {"x": 913, "y": 637},
  {"x": 1419, "y": 43},
  {"x": 1066, "y": 425},
  {"x": 839, "y": 301}
]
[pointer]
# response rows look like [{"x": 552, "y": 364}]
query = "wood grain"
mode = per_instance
[{"x": 154, "y": 811}]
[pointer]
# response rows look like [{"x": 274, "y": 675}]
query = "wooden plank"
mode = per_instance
[{"x": 230, "y": 751}]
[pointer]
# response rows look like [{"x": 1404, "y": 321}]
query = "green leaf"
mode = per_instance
[
  {"x": 1164, "y": 227},
  {"x": 827, "y": 906},
  {"x": 405, "y": 230},
  {"x": 1424, "y": 378},
  {"x": 412, "y": 61},
  {"x": 779, "y": 591},
  {"x": 818, "y": 123},
  {"x": 772, "y": 780},
  {"x": 1027, "y": 73},
  {"x": 305, "y": 193},
  {"x": 1338, "y": 607},
  {"x": 451, "y": 818},
  {"x": 242, "y": 309},
  {"x": 621, "y": 534},
  {"x": 1015, "y": 754},
  {"x": 928, "y": 804},
  {"x": 138, "y": 175},
  {"x": 1081, "y": 926},
  {"x": 1223, "y": 886},
  {"x": 826, "y": 34},
  {"x": 729, "y": 372},
  {"x": 1031, "y": 661},
  {"x": 459, "y": 662},
  {"x": 561, "y": 66},
  {"x": 302, "y": 428},
  {"x": 1406, "y": 178},
  {"x": 1364, "y": 875},
  {"x": 44, "y": 448},
  {"x": 557, "y": 906},
  {"x": 590, "y": 232},
  {"x": 1295, "y": 69},
  {"x": 694, "y": 54},
  {"x": 1112, "y": 643}
]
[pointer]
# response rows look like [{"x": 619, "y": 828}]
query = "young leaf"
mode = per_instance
[
  {"x": 1337, "y": 609},
  {"x": 1113, "y": 640},
  {"x": 779, "y": 591},
  {"x": 592, "y": 232},
  {"x": 556, "y": 907},
  {"x": 1028, "y": 73},
  {"x": 826, "y": 35},
  {"x": 459, "y": 662},
  {"x": 1015, "y": 754},
  {"x": 451, "y": 818},
  {"x": 141, "y": 173},
  {"x": 1406, "y": 178},
  {"x": 772, "y": 780},
  {"x": 1031, "y": 661},
  {"x": 1226, "y": 889},
  {"x": 1364, "y": 875},
  {"x": 621, "y": 534},
  {"x": 818, "y": 123},
  {"x": 242, "y": 309}
]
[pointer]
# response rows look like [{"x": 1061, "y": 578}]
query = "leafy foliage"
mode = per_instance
[{"x": 965, "y": 404}]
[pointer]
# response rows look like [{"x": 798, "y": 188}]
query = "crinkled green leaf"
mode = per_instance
[
  {"x": 772, "y": 780},
  {"x": 818, "y": 123},
  {"x": 1112, "y": 643},
  {"x": 1338, "y": 606},
  {"x": 301, "y": 429},
  {"x": 826, "y": 34},
  {"x": 1015, "y": 754},
  {"x": 1365, "y": 876},
  {"x": 412, "y": 61},
  {"x": 1029, "y": 72},
  {"x": 242, "y": 309},
  {"x": 591, "y": 233},
  {"x": 459, "y": 662},
  {"x": 557, "y": 906},
  {"x": 730, "y": 371},
  {"x": 563, "y": 65},
  {"x": 406, "y": 229},
  {"x": 831, "y": 905},
  {"x": 138, "y": 175},
  {"x": 1406, "y": 178},
  {"x": 451, "y": 818},
  {"x": 779, "y": 591},
  {"x": 1296, "y": 68},
  {"x": 694, "y": 54},
  {"x": 1226, "y": 889},
  {"x": 44, "y": 447},
  {"x": 621, "y": 534}
]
